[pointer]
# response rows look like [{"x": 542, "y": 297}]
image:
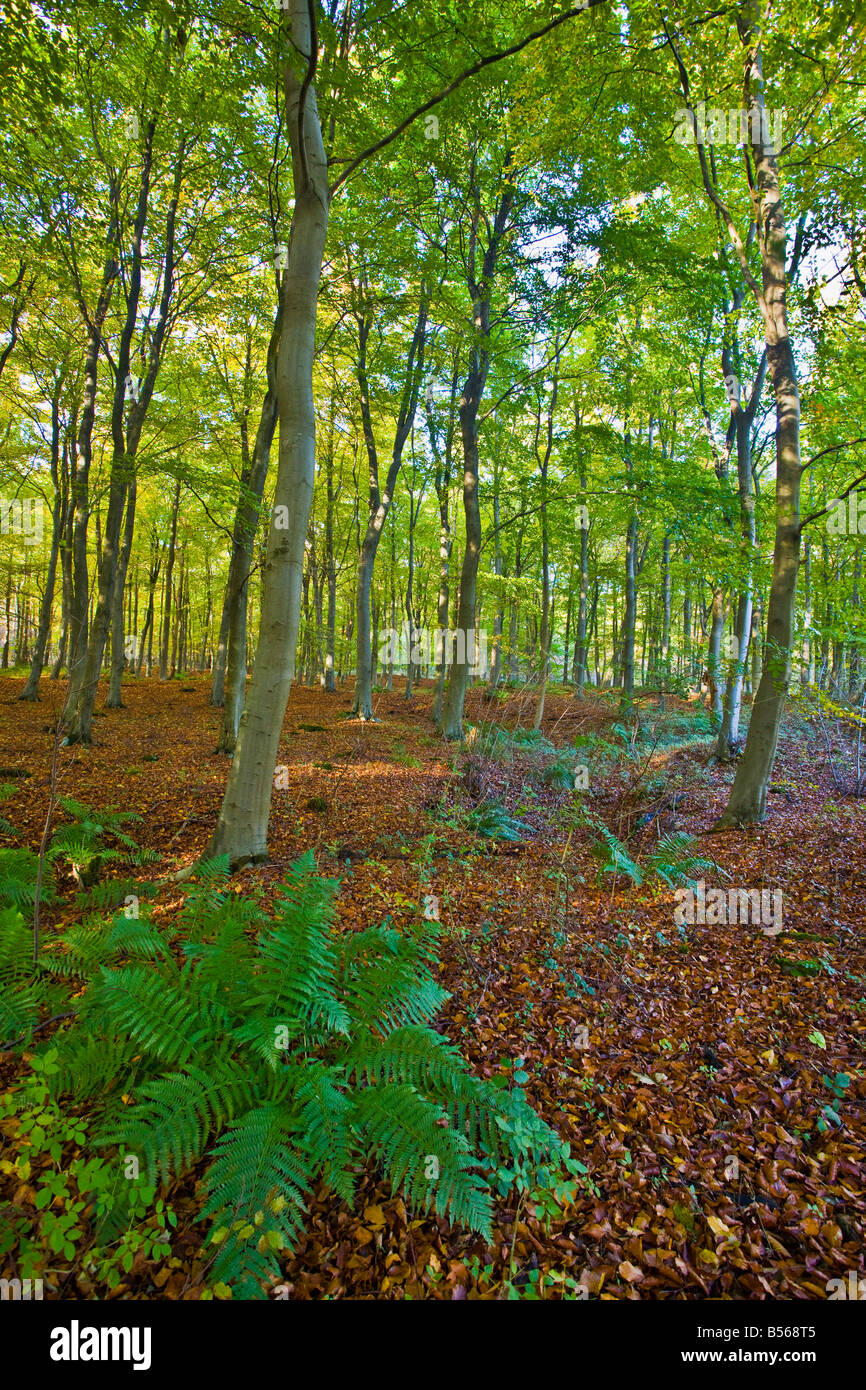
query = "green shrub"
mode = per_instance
[
  {"x": 285, "y": 1059},
  {"x": 494, "y": 822}
]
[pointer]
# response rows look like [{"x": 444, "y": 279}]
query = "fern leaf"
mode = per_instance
[
  {"x": 432, "y": 1164},
  {"x": 256, "y": 1189},
  {"x": 325, "y": 1127}
]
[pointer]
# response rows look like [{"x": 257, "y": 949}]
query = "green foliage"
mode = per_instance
[
  {"x": 82, "y": 843},
  {"x": 494, "y": 822},
  {"x": 559, "y": 774},
  {"x": 499, "y": 743},
  {"x": 284, "y": 1059},
  {"x": 72, "y": 1190},
  {"x": 675, "y": 860},
  {"x": 18, "y": 872},
  {"x": 21, "y": 991},
  {"x": 7, "y": 790},
  {"x": 611, "y": 853}
]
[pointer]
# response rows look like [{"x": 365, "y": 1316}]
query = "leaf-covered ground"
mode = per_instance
[{"x": 711, "y": 1079}]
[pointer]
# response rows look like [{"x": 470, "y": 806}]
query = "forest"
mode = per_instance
[{"x": 432, "y": 652}]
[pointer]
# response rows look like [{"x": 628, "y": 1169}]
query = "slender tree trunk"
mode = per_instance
[
  {"x": 167, "y": 588},
  {"x": 243, "y": 543},
  {"x": 242, "y": 828},
  {"x": 748, "y": 800},
  {"x": 479, "y": 361},
  {"x": 31, "y": 689},
  {"x": 118, "y": 645}
]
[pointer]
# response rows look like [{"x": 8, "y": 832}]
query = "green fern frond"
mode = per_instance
[
  {"x": 611, "y": 853},
  {"x": 93, "y": 1065},
  {"x": 112, "y": 892},
  {"x": 415, "y": 1055},
  {"x": 676, "y": 861},
  {"x": 228, "y": 960},
  {"x": 20, "y": 1005},
  {"x": 16, "y": 946},
  {"x": 393, "y": 990},
  {"x": 432, "y": 1164},
  {"x": 136, "y": 937},
  {"x": 162, "y": 1016},
  {"x": 72, "y": 843},
  {"x": 78, "y": 952},
  {"x": 256, "y": 1187},
  {"x": 268, "y": 1037},
  {"x": 18, "y": 872},
  {"x": 325, "y": 1128},
  {"x": 173, "y": 1118},
  {"x": 299, "y": 965}
]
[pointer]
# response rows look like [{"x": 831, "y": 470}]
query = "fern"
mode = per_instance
[
  {"x": 282, "y": 1062},
  {"x": 18, "y": 873},
  {"x": 22, "y": 991},
  {"x": 7, "y": 790},
  {"x": 402, "y": 1126},
  {"x": 83, "y": 842},
  {"x": 493, "y": 821},
  {"x": 675, "y": 860},
  {"x": 257, "y": 1186},
  {"x": 163, "y": 1017},
  {"x": 326, "y": 1124},
  {"x": 175, "y": 1115},
  {"x": 106, "y": 896},
  {"x": 611, "y": 853}
]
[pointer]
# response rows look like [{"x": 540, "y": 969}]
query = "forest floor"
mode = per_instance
[{"x": 698, "y": 1095}]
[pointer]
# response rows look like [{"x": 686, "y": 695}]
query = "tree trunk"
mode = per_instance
[
  {"x": 31, "y": 689},
  {"x": 167, "y": 588},
  {"x": 748, "y": 799},
  {"x": 118, "y": 645},
  {"x": 242, "y": 829},
  {"x": 243, "y": 544}
]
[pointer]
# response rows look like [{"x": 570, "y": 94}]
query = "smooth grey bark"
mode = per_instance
[
  {"x": 743, "y": 420},
  {"x": 480, "y": 288},
  {"x": 242, "y": 829},
  {"x": 330, "y": 568},
  {"x": 442, "y": 481},
  {"x": 748, "y": 799},
  {"x": 31, "y": 688},
  {"x": 714, "y": 653},
  {"x": 218, "y": 676},
  {"x": 243, "y": 543},
  {"x": 633, "y": 567},
  {"x": 167, "y": 588},
  {"x": 118, "y": 647},
  {"x": 543, "y": 461},
  {"x": 380, "y": 500},
  {"x": 578, "y": 672}
]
